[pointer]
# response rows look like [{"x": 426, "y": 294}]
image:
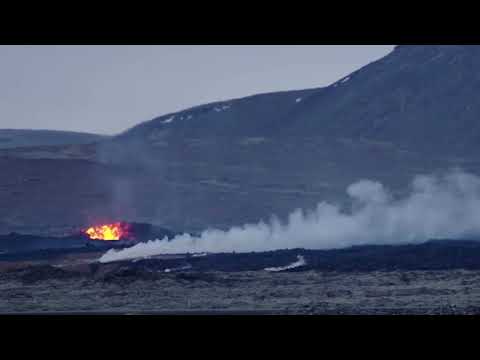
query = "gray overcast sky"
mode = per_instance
[{"x": 107, "y": 89}]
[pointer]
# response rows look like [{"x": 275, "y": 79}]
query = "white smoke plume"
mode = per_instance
[{"x": 446, "y": 206}]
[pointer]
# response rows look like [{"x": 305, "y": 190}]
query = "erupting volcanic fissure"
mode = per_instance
[{"x": 114, "y": 231}]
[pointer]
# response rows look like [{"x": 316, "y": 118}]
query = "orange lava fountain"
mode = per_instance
[{"x": 108, "y": 232}]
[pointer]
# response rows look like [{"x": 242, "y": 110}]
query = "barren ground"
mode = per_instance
[{"x": 312, "y": 292}]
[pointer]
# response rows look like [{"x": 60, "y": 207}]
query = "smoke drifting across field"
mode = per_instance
[{"x": 446, "y": 206}]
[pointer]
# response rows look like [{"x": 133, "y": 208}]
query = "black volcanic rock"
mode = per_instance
[
  {"x": 439, "y": 255},
  {"x": 432, "y": 255},
  {"x": 126, "y": 275},
  {"x": 15, "y": 246},
  {"x": 16, "y": 243},
  {"x": 33, "y": 274}
]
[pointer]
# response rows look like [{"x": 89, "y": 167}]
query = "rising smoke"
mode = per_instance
[{"x": 446, "y": 206}]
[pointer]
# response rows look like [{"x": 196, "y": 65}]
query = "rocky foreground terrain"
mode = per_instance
[
  {"x": 48, "y": 289},
  {"x": 437, "y": 277}
]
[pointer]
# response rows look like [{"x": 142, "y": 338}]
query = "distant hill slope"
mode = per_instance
[
  {"x": 414, "y": 93},
  {"x": 412, "y": 112},
  {"x": 255, "y": 115},
  {"x": 12, "y": 138}
]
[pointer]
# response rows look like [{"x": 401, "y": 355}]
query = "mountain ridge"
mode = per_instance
[
  {"x": 376, "y": 101},
  {"x": 415, "y": 111},
  {"x": 15, "y": 138}
]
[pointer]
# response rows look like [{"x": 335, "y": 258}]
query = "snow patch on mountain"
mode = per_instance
[{"x": 221, "y": 108}]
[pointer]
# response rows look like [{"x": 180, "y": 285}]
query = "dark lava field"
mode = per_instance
[
  {"x": 311, "y": 292},
  {"x": 438, "y": 277}
]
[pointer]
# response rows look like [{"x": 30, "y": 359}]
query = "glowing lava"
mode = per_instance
[{"x": 113, "y": 231}]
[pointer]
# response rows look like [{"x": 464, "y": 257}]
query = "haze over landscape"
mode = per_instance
[
  {"x": 303, "y": 179},
  {"x": 233, "y": 162}
]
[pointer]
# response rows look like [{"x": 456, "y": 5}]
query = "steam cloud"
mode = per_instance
[{"x": 446, "y": 206}]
